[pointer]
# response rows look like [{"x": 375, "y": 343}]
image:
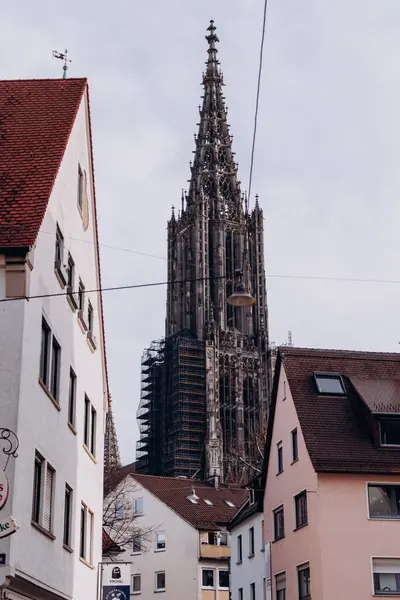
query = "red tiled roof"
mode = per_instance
[
  {"x": 338, "y": 430},
  {"x": 108, "y": 546},
  {"x": 174, "y": 491},
  {"x": 36, "y": 119}
]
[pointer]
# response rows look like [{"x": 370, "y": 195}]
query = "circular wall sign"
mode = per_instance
[{"x": 4, "y": 489}]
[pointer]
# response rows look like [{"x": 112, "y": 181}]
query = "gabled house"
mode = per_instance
[
  {"x": 186, "y": 550},
  {"x": 53, "y": 378},
  {"x": 248, "y": 573},
  {"x": 332, "y": 476}
]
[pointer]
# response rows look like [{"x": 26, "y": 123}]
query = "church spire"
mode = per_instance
[{"x": 214, "y": 173}]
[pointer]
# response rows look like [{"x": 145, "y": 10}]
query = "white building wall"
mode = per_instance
[
  {"x": 250, "y": 569},
  {"x": 180, "y": 558},
  {"x": 37, "y": 422}
]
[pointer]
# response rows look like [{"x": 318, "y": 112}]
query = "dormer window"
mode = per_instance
[
  {"x": 208, "y": 502},
  {"x": 390, "y": 431},
  {"x": 330, "y": 384},
  {"x": 229, "y": 503}
]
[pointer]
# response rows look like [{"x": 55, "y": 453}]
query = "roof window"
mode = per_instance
[
  {"x": 208, "y": 502},
  {"x": 390, "y": 431},
  {"x": 229, "y": 503},
  {"x": 330, "y": 384}
]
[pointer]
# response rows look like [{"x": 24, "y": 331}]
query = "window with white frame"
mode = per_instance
[
  {"x": 223, "y": 579},
  {"x": 138, "y": 506},
  {"x": 136, "y": 583},
  {"x": 90, "y": 427},
  {"x": 160, "y": 541},
  {"x": 72, "y": 398},
  {"x": 160, "y": 581},
  {"x": 86, "y": 534},
  {"x": 119, "y": 510},
  {"x": 208, "y": 578},
  {"x": 50, "y": 361},
  {"x": 262, "y": 537},
  {"x": 280, "y": 586},
  {"x": 279, "y": 457},
  {"x": 253, "y": 591},
  {"x": 386, "y": 573},
  {"x": 304, "y": 582},
  {"x": 384, "y": 501},
  {"x": 68, "y": 496},
  {"x": 251, "y": 542},
  {"x": 137, "y": 544},
  {"x": 43, "y": 493},
  {"x": 239, "y": 549}
]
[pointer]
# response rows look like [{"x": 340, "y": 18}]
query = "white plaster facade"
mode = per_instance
[
  {"x": 180, "y": 560},
  {"x": 37, "y": 563},
  {"x": 248, "y": 569}
]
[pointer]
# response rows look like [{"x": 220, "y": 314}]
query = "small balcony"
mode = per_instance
[{"x": 213, "y": 552}]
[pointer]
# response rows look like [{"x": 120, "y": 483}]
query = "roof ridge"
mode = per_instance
[
  {"x": 336, "y": 352},
  {"x": 44, "y": 79}
]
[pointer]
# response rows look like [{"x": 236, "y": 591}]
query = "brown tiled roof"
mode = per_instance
[
  {"x": 338, "y": 430},
  {"x": 36, "y": 119},
  {"x": 174, "y": 491}
]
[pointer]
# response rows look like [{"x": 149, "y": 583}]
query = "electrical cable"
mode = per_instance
[
  {"x": 183, "y": 281},
  {"x": 257, "y": 97}
]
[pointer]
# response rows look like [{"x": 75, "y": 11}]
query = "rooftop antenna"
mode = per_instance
[
  {"x": 63, "y": 56},
  {"x": 290, "y": 339}
]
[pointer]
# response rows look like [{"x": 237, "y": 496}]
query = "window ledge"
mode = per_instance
[
  {"x": 294, "y": 461},
  {"x": 81, "y": 322},
  {"x": 136, "y": 593},
  {"x": 49, "y": 394},
  {"x": 251, "y": 555},
  {"x": 279, "y": 473},
  {"x": 72, "y": 302},
  {"x": 91, "y": 341},
  {"x": 68, "y": 548},
  {"x": 136, "y": 553},
  {"x": 300, "y": 526},
  {"x": 386, "y": 518},
  {"x": 48, "y": 534},
  {"x": 72, "y": 428},
  {"x": 85, "y": 562},
  {"x": 60, "y": 277},
  {"x": 91, "y": 456},
  {"x": 160, "y": 550},
  {"x": 160, "y": 591}
]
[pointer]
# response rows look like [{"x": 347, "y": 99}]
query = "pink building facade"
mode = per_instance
[{"x": 332, "y": 467}]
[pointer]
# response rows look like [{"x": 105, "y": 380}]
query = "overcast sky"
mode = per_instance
[{"x": 327, "y": 164}]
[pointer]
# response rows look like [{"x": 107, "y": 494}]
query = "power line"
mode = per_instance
[
  {"x": 183, "y": 281},
  {"x": 257, "y": 96}
]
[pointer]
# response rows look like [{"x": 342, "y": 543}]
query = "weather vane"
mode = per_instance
[{"x": 63, "y": 56}]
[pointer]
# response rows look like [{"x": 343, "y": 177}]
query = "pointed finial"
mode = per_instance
[
  {"x": 173, "y": 213},
  {"x": 183, "y": 200},
  {"x": 257, "y": 203},
  {"x": 212, "y": 37}
]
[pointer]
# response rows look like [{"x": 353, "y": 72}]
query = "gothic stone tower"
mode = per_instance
[{"x": 217, "y": 364}]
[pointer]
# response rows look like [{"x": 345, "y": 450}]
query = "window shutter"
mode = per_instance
[
  {"x": 48, "y": 499},
  {"x": 386, "y": 565}
]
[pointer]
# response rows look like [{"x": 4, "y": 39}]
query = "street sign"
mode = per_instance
[
  {"x": 4, "y": 489},
  {"x": 116, "y": 581}
]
